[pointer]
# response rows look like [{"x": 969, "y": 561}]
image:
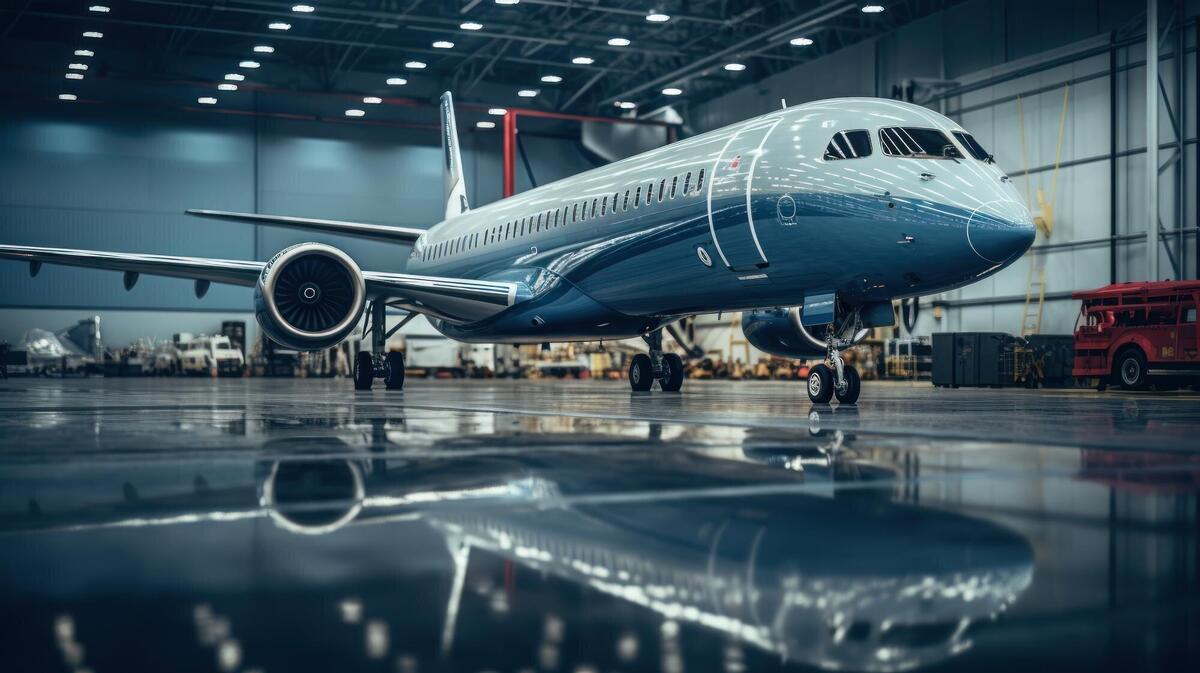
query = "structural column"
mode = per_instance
[
  {"x": 510, "y": 150},
  {"x": 1152, "y": 140}
]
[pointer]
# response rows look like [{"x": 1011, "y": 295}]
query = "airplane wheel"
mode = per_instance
[
  {"x": 853, "y": 386},
  {"x": 364, "y": 371},
  {"x": 393, "y": 367},
  {"x": 672, "y": 374},
  {"x": 641, "y": 372},
  {"x": 820, "y": 384}
]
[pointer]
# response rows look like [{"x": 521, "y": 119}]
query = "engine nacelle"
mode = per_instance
[
  {"x": 779, "y": 331},
  {"x": 309, "y": 296}
]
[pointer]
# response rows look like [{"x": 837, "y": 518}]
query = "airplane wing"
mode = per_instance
[
  {"x": 378, "y": 232},
  {"x": 454, "y": 299}
]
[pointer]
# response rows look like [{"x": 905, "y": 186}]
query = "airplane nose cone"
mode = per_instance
[{"x": 1000, "y": 231}]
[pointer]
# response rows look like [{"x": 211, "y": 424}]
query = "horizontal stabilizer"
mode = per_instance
[{"x": 378, "y": 232}]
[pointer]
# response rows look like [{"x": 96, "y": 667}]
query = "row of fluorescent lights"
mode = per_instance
[
  {"x": 233, "y": 78},
  {"x": 75, "y": 69}
]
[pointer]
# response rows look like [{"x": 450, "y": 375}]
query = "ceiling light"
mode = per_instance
[
  {"x": 443, "y": 44},
  {"x": 372, "y": 100},
  {"x": 583, "y": 60},
  {"x": 248, "y": 64},
  {"x": 67, "y": 96},
  {"x": 527, "y": 93},
  {"x": 470, "y": 25},
  {"x": 304, "y": 9},
  {"x": 800, "y": 41},
  {"x": 264, "y": 49},
  {"x": 235, "y": 77},
  {"x": 872, "y": 9},
  {"x": 485, "y": 125},
  {"x": 74, "y": 75},
  {"x": 735, "y": 67},
  {"x": 354, "y": 113},
  {"x": 99, "y": 9},
  {"x": 657, "y": 17},
  {"x": 84, "y": 52},
  {"x": 551, "y": 79},
  {"x": 227, "y": 87},
  {"x": 415, "y": 65},
  {"x": 206, "y": 100},
  {"x": 497, "y": 111},
  {"x": 94, "y": 34},
  {"x": 672, "y": 91},
  {"x": 625, "y": 105},
  {"x": 279, "y": 25},
  {"x": 618, "y": 42},
  {"x": 78, "y": 66},
  {"x": 507, "y": 2},
  {"x": 396, "y": 81}
]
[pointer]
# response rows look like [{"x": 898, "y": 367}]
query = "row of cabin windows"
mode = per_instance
[{"x": 576, "y": 212}]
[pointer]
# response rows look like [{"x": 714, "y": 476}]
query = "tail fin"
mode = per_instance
[{"x": 455, "y": 186}]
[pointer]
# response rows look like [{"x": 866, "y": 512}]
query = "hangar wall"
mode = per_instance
[{"x": 116, "y": 179}]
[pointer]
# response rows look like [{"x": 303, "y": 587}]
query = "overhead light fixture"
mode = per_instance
[
  {"x": 396, "y": 81},
  {"x": 415, "y": 65},
  {"x": 625, "y": 105},
  {"x": 264, "y": 49},
  {"x": 94, "y": 34},
  {"x": 206, "y": 100},
  {"x": 497, "y": 111},
  {"x": 485, "y": 125},
  {"x": 657, "y": 17},
  {"x": 672, "y": 91},
  {"x": 85, "y": 53},
  {"x": 551, "y": 79},
  {"x": 583, "y": 60},
  {"x": 800, "y": 41},
  {"x": 354, "y": 113},
  {"x": 99, "y": 9},
  {"x": 249, "y": 64},
  {"x": 618, "y": 42},
  {"x": 303, "y": 9},
  {"x": 372, "y": 100},
  {"x": 527, "y": 93},
  {"x": 234, "y": 77},
  {"x": 735, "y": 67},
  {"x": 872, "y": 9},
  {"x": 227, "y": 87},
  {"x": 279, "y": 25},
  {"x": 67, "y": 96},
  {"x": 443, "y": 44},
  {"x": 78, "y": 66},
  {"x": 74, "y": 75},
  {"x": 507, "y": 2},
  {"x": 470, "y": 25}
]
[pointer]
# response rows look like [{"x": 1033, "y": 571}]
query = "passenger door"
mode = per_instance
[{"x": 730, "y": 218}]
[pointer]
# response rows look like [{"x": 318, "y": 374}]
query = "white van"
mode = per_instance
[{"x": 211, "y": 355}]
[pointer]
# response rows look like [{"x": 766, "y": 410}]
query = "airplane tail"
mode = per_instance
[{"x": 455, "y": 185}]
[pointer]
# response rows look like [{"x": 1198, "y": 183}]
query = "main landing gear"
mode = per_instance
[
  {"x": 376, "y": 364},
  {"x": 666, "y": 368},
  {"x": 839, "y": 380}
]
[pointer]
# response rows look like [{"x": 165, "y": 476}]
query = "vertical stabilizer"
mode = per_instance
[{"x": 452, "y": 172}]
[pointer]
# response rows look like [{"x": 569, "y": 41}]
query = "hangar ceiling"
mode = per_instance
[{"x": 324, "y": 56}]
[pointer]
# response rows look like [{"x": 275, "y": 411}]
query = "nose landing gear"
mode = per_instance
[
  {"x": 839, "y": 380},
  {"x": 666, "y": 368}
]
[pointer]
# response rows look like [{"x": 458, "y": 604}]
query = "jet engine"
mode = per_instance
[
  {"x": 309, "y": 296},
  {"x": 780, "y": 331}
]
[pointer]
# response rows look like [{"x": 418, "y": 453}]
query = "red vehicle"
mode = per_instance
[{"x": 1128, "y": 333}]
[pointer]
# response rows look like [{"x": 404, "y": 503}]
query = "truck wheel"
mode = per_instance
[{"x": 1130, "y": 369}]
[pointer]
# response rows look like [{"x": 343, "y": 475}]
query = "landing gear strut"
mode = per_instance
[
  {"x": 833, "y": 377},
  {"x": 667, "y": 368},
  {"x": 377, "y": 364}
]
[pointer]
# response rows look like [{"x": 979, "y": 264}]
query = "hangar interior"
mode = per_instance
[{"x": 264, "y": 521}]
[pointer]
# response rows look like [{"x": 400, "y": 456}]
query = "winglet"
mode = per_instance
[{"x": 455, "y": 186}]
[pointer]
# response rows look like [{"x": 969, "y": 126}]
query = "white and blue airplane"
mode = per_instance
[{"x": 809, "y": 220}]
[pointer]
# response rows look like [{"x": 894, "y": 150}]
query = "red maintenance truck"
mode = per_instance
[{"x": 1128, "y": 334}]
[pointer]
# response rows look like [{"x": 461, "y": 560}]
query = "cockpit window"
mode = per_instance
[
  {"x": 848, "y": 145},
  {"x": 968, "y": 141},
  {"x": 917, "y": 143}
]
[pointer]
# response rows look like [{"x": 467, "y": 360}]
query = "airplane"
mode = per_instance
[{"x": 809, "y": 220}]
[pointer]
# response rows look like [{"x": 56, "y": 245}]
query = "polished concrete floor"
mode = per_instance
[{"x": 293, "y": 525}]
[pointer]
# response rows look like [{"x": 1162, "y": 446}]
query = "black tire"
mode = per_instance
[
  {"x": 672, "y": 373},
  {"x": 853, "y": 386},
  {"x": 1129, "y": 369},
  {"x": 820, "y": 384},
  {"x": 641, "y": 373},
  {"x": 364, "y": 371},
  {"x": 393, "y": 371}
]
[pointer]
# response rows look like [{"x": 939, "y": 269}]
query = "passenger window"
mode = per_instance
[
  {"x": 594, "y": 201},
  {"x": 604, "y": 206},
  {"x": 687, "y": 180},
  {"x": 662, "y": 189},
  {"x": 649, "y": 193},
  {"x": 538, "y": 226},
  {"x": 625, "y": 205},
  {"x": 917, "y": 143},
  {"x": 674, "y": 181},
  {"x": 968, "y": 141},
  {"x": 637, "y": 197},
  {"x": 575, "y": 213},
  {"x": 700, "y": 181},
  {"x": 848, "y": 145}
]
